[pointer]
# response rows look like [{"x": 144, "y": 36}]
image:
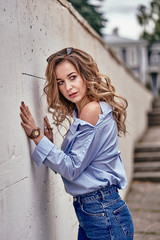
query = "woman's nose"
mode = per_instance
[{"x": 68, "y": 86}]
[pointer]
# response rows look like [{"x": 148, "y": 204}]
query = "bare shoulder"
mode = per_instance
[{"x": 90, "y": 112}]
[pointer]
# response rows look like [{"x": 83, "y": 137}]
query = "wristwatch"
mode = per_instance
[{"x": 35, "y": 133}]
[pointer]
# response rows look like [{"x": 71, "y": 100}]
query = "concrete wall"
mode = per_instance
[{"x": 33, "y": 203}]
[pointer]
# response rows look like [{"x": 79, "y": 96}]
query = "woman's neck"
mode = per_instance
[{"x": 81, "y": 105}]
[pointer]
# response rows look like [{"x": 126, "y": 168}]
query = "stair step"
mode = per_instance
[
  {"x": 155, "y": 110},
  {"x": 147, "y": 147},
  {"x": 156, "y": 103},
  {"x": 147, "y": 152},
  {"x": 146, "y": 156},
  {"x": 147, "y": 167},
  {"x": 151, "y": 124},
  {"x": 147, "y": 176},
  {"x": 154, "y": 113},
  {"x": 154, "y": 118}
]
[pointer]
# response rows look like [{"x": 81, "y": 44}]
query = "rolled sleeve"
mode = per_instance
[
  {"x": 68, "y": 164},
  {"x": 42, "y": 150}
]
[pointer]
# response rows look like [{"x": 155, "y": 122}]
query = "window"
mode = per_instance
[
  {"x": 124, "y": 58},
  {"x": 154, "y": 58}
]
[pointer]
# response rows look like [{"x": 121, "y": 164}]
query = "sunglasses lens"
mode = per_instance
[
  {"x": 61, "y": 53},
  {"x": 69, "y": 50}
]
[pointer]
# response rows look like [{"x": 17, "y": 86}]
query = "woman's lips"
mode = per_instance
[{"x": 72, "y": 95}]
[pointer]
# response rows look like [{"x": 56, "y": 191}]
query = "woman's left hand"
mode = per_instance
[{"x": 47, "y": 129}]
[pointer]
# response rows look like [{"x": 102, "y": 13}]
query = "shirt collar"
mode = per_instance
[{"x": 106, "y": 108}]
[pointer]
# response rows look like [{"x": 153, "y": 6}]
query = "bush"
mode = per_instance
[{"x": 148, "y": 86}]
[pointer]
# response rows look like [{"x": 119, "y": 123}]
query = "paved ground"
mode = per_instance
[
  {"x": 143, "y": 200},
  {"x": 152, "y": 135},
  {"x": 144, "y": 203}
]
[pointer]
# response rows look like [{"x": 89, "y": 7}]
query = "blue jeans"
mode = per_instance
[{"x": 103, "y": 215}]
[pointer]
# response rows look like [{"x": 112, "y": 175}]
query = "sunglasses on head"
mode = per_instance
[{"x": 65, "y": 51}]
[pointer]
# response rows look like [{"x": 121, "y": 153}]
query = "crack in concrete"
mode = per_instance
[
  {"x": 147, "y": 233},
  {"x": 30, "y": 75},
  {"x": 1, "y": 190}
]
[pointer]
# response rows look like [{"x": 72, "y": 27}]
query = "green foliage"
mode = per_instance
[
  {"x": 148, "y": 86},
  {"x": 91, "y": 13},
  {"x": 149, "y": 19}
]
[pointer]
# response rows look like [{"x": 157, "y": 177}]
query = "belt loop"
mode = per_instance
[
  {"x": 79, "y": 199},
  {"x": 102, "y": 194}
]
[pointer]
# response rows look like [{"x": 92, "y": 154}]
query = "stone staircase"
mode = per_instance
[
  {"x": 147, "y": 152},
  {"x": 154, "y": 116}
]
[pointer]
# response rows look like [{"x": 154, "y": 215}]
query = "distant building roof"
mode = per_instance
[{"x": 115, "y": 39}]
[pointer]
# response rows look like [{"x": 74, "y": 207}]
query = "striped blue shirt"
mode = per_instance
[{"x": 89, "y": 158}]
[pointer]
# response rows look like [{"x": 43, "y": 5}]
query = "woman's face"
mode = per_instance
[{"x": 70, "y": 83}]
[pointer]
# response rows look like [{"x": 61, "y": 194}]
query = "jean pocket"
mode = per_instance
[
  {"x": 124, "y": 218},
  {"x": 92, "y": 209}
]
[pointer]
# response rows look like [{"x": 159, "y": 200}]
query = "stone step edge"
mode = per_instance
[
  {"x": 148, "y": 144},
  {"x": 149, "y": 159},
  {"x": 147, "y": 176},
  {"x": 154, "y": 124},
  {"x": 147, "y": 154},
  {"x": 142, "y": 149},
  {"x": 147, "y": 166}
]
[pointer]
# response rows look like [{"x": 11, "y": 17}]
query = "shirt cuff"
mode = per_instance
[{"x": 42, "y": 150}]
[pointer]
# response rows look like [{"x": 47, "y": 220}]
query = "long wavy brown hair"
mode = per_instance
[{"x": 99, "y": 88}]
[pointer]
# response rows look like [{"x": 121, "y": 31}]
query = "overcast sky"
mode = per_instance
[{"x": 122, "y": 14}]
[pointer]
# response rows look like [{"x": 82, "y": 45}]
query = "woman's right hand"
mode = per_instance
[{"x": 28, "y": 122}]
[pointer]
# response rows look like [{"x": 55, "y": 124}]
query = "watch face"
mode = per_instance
[{"x": 36, "y": 133}]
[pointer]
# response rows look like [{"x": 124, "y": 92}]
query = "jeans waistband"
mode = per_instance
[{"x": 100, "y": 193}]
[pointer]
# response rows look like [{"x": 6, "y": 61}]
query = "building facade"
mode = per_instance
[
  {"x": 154, "y": 67},
  {"x": 143, "y": 60}
]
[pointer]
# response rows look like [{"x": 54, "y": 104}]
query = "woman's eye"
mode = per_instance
[
  {"x": 60, "y": 82},
  {"x": 73, "y": 77}
]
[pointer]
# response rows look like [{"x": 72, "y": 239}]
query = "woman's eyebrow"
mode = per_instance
[
  {"x": 70, "y": 74},
  {"x": 67, "y": 76}
]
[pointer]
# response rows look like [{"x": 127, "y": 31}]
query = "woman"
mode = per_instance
[{"x": 89, "y": 160}]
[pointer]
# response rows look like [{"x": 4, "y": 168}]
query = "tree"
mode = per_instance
[
  {"x": 91, "y": 13},
  {"x": 149, "y": 19}
]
